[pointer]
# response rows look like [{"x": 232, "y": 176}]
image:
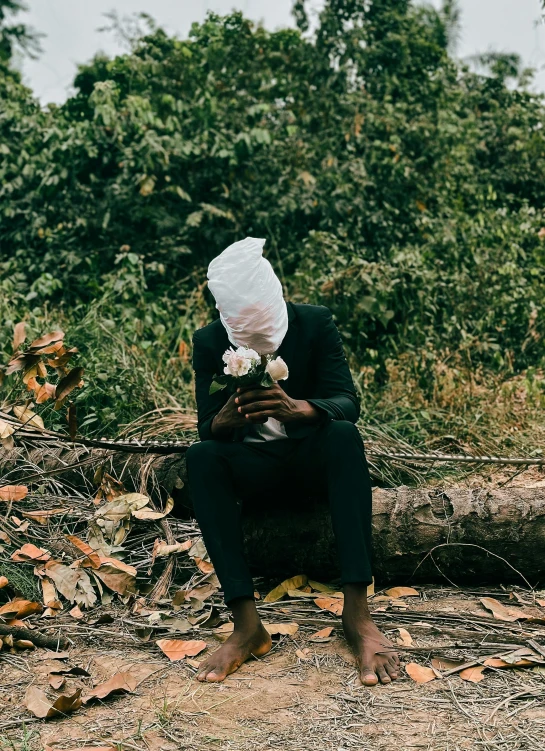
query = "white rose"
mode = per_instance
[
  {"x": 235, "y": 364},
  {"x": 277, "y": 369},
  {"x": 249, "y": 354}
]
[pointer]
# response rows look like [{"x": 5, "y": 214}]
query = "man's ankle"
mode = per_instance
[{"x": 244, "y": 612}]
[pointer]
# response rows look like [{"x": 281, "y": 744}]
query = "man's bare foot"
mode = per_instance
[
  {"x": 375, "y": 655},
  {"x": 249, "y": 639}
]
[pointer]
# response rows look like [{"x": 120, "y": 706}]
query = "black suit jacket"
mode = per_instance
[{"x": 314, "y": 354}]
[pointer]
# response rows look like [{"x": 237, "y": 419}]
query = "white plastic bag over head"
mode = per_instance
[{"x": 249, "y": 296}]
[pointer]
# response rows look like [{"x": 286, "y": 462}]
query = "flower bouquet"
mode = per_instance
[{"x": 245, "y": 367}]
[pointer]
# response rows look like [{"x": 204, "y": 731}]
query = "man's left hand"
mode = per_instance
[{"x": 258, "y": 403}]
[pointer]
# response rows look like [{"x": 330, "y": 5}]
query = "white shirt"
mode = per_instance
[{"x": 272, "y": 430}]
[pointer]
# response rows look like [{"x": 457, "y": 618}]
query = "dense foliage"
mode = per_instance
[{"x": 393, "y": 184}]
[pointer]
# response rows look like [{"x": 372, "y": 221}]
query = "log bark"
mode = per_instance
[{"x": 484, "y": 535}]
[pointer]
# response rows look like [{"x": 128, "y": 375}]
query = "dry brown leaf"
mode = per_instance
[
  {"x": 57, "y": 681},
  {"x": 502, "y": 613},
  {"x": 42, "y": 517},
  {"x": 20, "y": 608},
  {"x": 303, "y": 654},
  {"x": 36, "y": 701},
  {"x": 332, "y": 604},
  {"x": 404, "y": 639},
  {"x": 162, "y": 548},
  {"x": 19, "y": 335},
  {"x": 43, "y": 392},
  {"x": 444, "y": 664},
  {"x": 13, "y": 492},
  {"x": 541, "y": 602},
  {"x": 324, "y": 634},
  {"x": 319, "y": 587},
  {"x": 151, "y": 514},
  {"x": 49, "y": 593},
  {"x": 76, "y": 612},
  {"x": 498, "y": 663},
  {"x": 46, "y": 340},
  {"x": 177, "y": 649},
  {"x": 116, "y": 575},
  {"x": 281, "y": 629},
  {"x": 67, "y": 384},
  {"x": 120, "y": 683},
  {"x": 3, "y": 581},
  {"x": 29, "y": 418},
  {"x": 473, "y": 674},
  {"x": 396, "y": 592},
  {"x": 420, "y": 673},
  {"x": 295, "y": 582},
  {"x": 24, "y": 644},
  {"x": 87, "y": 550},
  {"x": 29, "y": 552},
  {"x": 204, "y": 567}
]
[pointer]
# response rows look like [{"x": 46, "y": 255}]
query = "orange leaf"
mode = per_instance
[
  {"x": 332, "y": 604},
  {"x": 3, "y": 581},
  {"x": 500, "y": 612},
  {"x": 474, "y": 674},
  {"x": 397, "y": 592},
  {"x": 420, "y": 673},
  {"x": 203, "y": 565},
  {"x": 13, "y": 492},
  {"x": 21, "y": 608},
  {"x": 43, "y": 393},
  {"x": 497, "y": 662},
  {"x": 19, "y": 335},
  {"x": 92, "y": 556},
  {"x": 120, "y": 683},
  {"x": 442, "y": 663},
  {"x": 46, "y": 339},
  {"x": 177, "y": 649},
  {"x": 321, "y": 635},
  {"x": 57, "y": 681},
  {"x": 37, "y": 702},
  {"x": 29, "y": 552}
]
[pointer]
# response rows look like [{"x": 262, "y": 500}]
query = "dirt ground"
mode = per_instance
[{"x": 291, "y": 699}]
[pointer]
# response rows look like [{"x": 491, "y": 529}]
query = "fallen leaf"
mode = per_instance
[
  {"x": 49, "y": 593},
  {"x": 332, "y": 604},
  {"x": 397, "y": 592},
  {"x": 57, "y": 681},
  {"x": 49, "y": 655},
  {"x": 70, "y": 671},
  {"x": 42, "y": 517},
  {"x": 162, "y": 548},
  {"x": 66, "y": 385},
  {"x": 86, "y": 549},
  {"x": 6, "y": 430},
  {"x": 325, "y": 588},
  {"x": 20, "y": 608},
  {"x": 204, "y": 567},
  {"x": 151, "y": 514},
  {"x": 13, "y": 492},
  {"x": 120, "y": 683},
  {"x": 303, "y": 654},
  {"x": 29, "y": 552},
  {"x": 474, "y": 674},
  {"x": 36, "y": 701},
  {"x": 281, "y": 629},
  {"x": 177, "y": 649},
  {"x": 420, "y": 673},
  {"x": 72, "y": 583},
  {"x": 498, "y": 663},
  {"x": 46, "y": 340},
  {"x": 24, "y": 644},
  {"x": 296, "y": 582},
  {"x": 115, "y": 576},
  {"x": 29, "y": 418},
  {"x": 541, "y": 602},
  {"x": 19, "y": 335},
  {"x": 3, "y": 581},
  {"x": 502, "y": 613},
  {"x": 322, "y": 635},
  {"x": 76, "y": 612},
  {"x": 443, "y": 664},
  {"x": 404, "y": 639},
  {"x": 44, "y": 392}
]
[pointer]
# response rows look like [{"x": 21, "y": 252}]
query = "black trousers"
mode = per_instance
[{"x": 331, "y": 460}]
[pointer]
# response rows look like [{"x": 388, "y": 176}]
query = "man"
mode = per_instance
[{"x": 260, "y": 441}]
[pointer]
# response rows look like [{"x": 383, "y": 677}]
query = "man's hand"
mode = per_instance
[
  {"x": 256, "y": 404},
  {"x": 227, "y": 419}
]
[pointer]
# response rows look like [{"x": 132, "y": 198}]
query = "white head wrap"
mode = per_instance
[{"x": 249, "y": 296}]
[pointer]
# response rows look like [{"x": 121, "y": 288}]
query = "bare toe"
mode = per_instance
[
  {"x": 368, "y": 676},
  {"x": 383, "y": 675}
]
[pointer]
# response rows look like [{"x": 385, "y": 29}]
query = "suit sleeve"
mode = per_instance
[
  {"x": 334, "y": 393},
  {"x": 208, "y": 405}
]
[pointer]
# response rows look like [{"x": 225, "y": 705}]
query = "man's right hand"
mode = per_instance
[{"x": 229, "y": 418}]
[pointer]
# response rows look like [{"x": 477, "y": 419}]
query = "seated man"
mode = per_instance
[{"x": 258, "y": 442}]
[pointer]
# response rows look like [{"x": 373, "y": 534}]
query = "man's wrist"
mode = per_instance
[{"x": 307, "y": 412}]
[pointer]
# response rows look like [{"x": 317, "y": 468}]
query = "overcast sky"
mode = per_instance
[{"x": 72, "y": 36}]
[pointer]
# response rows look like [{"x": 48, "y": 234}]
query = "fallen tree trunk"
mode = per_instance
[{"x": 423, "y": 534}]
